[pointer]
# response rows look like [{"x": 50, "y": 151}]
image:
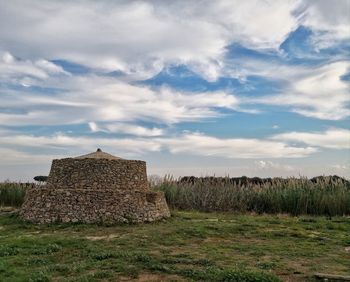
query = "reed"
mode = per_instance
[
  {"x": 12, "y": 193},
  {"x": 295, "y": 196}
]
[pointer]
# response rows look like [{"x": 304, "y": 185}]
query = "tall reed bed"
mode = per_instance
[
  {"x": 12, "y": 193},
  {"x": 293, "y": 196}
]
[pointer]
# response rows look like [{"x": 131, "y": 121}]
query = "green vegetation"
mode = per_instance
[
  {"x": 326, "y": 196},
  {"x": 190, "y": 246},
  {"x": 40, "y": 178},
  {"x": 12, "y": 193}
]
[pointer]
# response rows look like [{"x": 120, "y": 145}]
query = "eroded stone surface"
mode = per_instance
[
  {"x": 45, "y": 205},
  {"x": 94, "y": 190},
  {"x": 89, "y": 173}
]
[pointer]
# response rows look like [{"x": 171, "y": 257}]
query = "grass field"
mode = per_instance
[{"x": 190, "y": 246}]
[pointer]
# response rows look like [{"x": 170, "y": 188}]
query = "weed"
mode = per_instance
[
  {"x": 39, "y": 277},
  {"x": 8, "y": 251},
  {"x": 102, "y": 256},
  {"x": 47, "y": 249},
  {"x": 223, "y": 275},
  {"x": 37, "y": 261},
  {"x": 143, "y": 258},
  {"x": 103, "y": 274},
  {"x": 53, "y": 248}
]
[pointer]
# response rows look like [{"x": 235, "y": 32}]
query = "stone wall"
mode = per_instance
[
  {"x": 94, "y": 190},
  {"x": 71, "y": 173},
  {"x": 46, "y": 205}
]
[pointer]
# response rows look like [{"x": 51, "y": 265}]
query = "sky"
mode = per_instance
[{"x": 226, "y": 88}]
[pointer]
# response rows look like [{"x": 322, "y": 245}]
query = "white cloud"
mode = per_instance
[
  {"x": 335, "y": 138},
  {"x": 188, "y": 143},
  {"x": 203, "y": 145},
  {"x": 126, "y": 128},
  {"x": 26, "y": 72},
  {"x": 139, "y": 37},
  {"x": 317, "y": 92},
  {"x": 322, "y": 93},
  {"x": 277, "y": 146},
  {"x": 329, "y": 20},
  {"x": 340, "y": 167},
  {"x": 15, "y": 156},
  {"x": 93, "y": 127},
  {"x": 80, "y": 144},
  {"x": 105, "y": 99},
  {"x": 268, "y": 165},
  {"x": 134, "y": 129}
]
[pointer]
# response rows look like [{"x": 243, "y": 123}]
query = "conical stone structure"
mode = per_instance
[{"x": 96, "y": 187}]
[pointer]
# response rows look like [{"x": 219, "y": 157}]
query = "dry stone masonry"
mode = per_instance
[{"x": 97, "y": 187}]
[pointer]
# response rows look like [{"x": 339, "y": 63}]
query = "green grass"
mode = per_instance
[
  {"x": 190, "y": 246},
  {"x": 293, "y": 196}
]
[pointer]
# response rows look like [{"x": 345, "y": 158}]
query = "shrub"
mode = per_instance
[{"x": 40, "y": 178}]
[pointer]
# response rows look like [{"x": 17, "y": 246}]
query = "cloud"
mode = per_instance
[
  {"x": 329, "y": 20},
  {"x": 188, "y": 143},
  {"x": 126, "y": 128},
  {"x": 334, "y": 138},
  {"x": 199, "y": 144},
  {"x": 26, "y": 72},
  {"x": 268, "y": 165},
  {"x": 140, "y": 37},
  {"x": 317, "y": 92},
  {"x": 15, "y": 156},
  {"x": 321, "y": 93},
  {"x": 93, "y": 127},
  {"x": 78, "y": 144},
  {"x": 340, "y": 167},
  {"x": 80, "y": 99},
  {"x": 277, "y": 146}
]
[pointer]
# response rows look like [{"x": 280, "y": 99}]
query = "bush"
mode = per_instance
[{"x": 40, "y": 178}]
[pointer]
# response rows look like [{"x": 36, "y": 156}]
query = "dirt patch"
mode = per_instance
[
  {"x": 206, "y": 219},
  {"x": 147, "y": 277},
  {"x": 8, "y": 209},
  {"x": 107, "y": 237}
]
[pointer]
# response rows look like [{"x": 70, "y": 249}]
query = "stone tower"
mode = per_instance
[{"x": 96, "y": 187}]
